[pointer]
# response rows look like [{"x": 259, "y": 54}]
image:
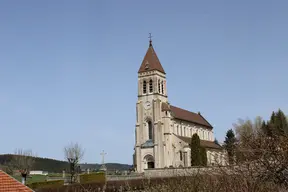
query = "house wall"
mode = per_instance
[
  {"x": 187, "y": 129},
  {"x": 38, "y": 172}
]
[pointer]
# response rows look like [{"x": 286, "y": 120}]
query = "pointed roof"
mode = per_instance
[
  {"x": 9, "y": 184},
  {"x": 151, "y": 61}
]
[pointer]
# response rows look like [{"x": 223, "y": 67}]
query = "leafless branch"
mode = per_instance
[
  {"x": 22, "y": 160},
  {"x": 73, "y": 154}
]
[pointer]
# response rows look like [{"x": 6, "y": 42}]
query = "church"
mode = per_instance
[{"x": 163, "y": 131}]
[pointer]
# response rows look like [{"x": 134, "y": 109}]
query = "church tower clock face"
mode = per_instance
[{"x": 147, "y": 105}]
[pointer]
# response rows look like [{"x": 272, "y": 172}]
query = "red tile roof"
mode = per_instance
[
  {"x": 151, "y": 61},
  {"x": 189, "y": 116},
  {"x": 9, "y": 184},
  {"x": 185, "y": 115}
]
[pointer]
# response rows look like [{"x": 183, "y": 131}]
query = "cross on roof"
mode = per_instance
[{"x": 150, "y": 39}]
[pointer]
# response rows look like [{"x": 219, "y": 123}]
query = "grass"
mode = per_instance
[
  {"x": 39, "y": 178},
  {"x": 32, "y": 179},
  {"x": 58, "y": 174}
]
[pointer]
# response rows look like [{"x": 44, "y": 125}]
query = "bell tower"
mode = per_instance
[
  {"x": 151, "y": 75},
  {"x": 149, "y": 131}
]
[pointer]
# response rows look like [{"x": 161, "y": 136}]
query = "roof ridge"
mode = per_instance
[{"x": 185, "y": 110}]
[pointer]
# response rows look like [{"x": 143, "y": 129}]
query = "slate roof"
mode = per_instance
[
  {"x": 151, "y": 61},
  {"x": 185, "y": 115},
  {"x": 9, "y": 184}
]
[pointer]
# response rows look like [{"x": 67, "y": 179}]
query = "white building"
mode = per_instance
[
  {"x": 163, "y": 131},
  {"x": 36, "y": 172}
]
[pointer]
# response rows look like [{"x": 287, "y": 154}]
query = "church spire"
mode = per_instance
[{"x": 151, "y": 61}]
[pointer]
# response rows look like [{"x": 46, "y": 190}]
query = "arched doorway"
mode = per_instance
[{"x": 149, "y": 161}]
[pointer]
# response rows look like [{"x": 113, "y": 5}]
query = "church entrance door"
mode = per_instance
[
  {"x": 150, "y": 165},
  {"x": 149, "y": 161}
]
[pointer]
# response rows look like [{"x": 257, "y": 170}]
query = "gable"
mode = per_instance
[{"x": 9, "y": 184}]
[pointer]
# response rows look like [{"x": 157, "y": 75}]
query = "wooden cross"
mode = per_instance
[{"x": 103, "y": 155}]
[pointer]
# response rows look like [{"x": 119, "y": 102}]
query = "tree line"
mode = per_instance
[
  {"x": 24, "y": 161},
  {"x": 239, "y": 138},
  {"x": 261, "y": 146},
  {"x": 27, "y": 160}
]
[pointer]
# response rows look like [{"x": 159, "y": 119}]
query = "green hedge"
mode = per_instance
[
  {"x": 46, "y": 184},
  {"x": 92, "y": 178}
]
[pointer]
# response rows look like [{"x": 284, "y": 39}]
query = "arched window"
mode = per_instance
[
  {"x": 144, "y": 87},
  {"x": 150, "y": 130},
  {"x": 180, "y": 153},
  {"x": 159, "y": 86},
  {"x": 162, "y": 87},
  {"x": 150, "y": 86}
]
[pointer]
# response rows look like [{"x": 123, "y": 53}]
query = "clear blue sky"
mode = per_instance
[{"x": 68, "y": 69}]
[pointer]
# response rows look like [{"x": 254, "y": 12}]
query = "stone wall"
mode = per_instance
[
  {"x": 123, "y": 177},
  {"x": 172, "y": 172}
]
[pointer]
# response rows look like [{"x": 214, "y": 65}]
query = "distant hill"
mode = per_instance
[
  {"x": 57, "y": 166},
  {"x": 109, "y": 166}
]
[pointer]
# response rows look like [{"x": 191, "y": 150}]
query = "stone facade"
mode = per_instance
[{"x": 163, "y": 132}]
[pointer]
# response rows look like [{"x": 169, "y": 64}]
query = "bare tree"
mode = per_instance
[
  {"x": 246, "y": 128},
  {"x": 22, "y": 160},
  {"x": 265, "y": 155},
  {"x": 73, "y": 154}
]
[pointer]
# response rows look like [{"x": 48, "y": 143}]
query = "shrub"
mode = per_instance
[
  {"x": 46, "y": 184},
  {"x": 195, "y": 183},
  {"x": 93, "y": 178}
]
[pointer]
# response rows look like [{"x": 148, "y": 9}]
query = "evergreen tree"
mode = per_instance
[
  {"x": 203, "y": 155},
  {"x": 266, "y": 129},
  {"x": 272, "y": 118},
  {"x": 216, "y": 142},
  {"x": 272, "y": 124},
  {"x": 230, "y": 145},
  {"x": 278, "y": 124},
  {"x": 195, "y": 150},
  {"x": 282, "y": 124}
]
